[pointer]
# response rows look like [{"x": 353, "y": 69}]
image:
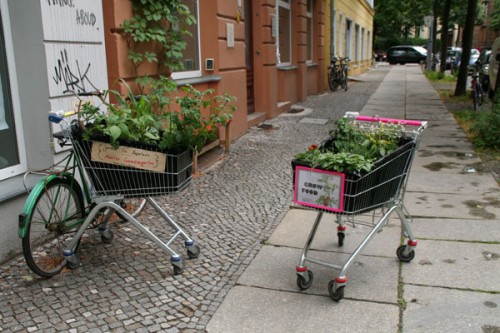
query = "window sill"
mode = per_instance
[
  {"x": 312, "y": 64},
  {"x": 198, "y": 80},
  {"x": 287, "y": 68}
]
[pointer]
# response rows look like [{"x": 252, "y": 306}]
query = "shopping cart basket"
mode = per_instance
[
  {"x": 348, "y": 195},
  {"x": 136, "y": 170}
]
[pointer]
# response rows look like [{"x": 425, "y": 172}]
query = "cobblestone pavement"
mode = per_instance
[{"x": 230, "y": 210}]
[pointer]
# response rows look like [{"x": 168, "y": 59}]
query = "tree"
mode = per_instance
[
  {"x": 396, "y": 19},
  {"x": 461, "y": 87},
  {"x": 444, "y": 34},
  {"x": 494, "y": 17}
]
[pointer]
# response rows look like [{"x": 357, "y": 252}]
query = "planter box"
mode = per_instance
[
  {"x": 135, "y": 169},
  {"x": 365, "y": 192}
]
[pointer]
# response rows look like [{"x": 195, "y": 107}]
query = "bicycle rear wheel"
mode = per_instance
[
  {"x": 332, "y": 80},
  {"x": 53, "y": 220}
]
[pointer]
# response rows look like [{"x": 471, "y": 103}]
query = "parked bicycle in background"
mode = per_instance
[
  {"x": 476, "y": 91},
  {"x": 338, "y": 73}
]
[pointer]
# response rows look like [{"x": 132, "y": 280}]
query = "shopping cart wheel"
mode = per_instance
[
  {"x": 305, "y": 282},
  {"x": 73, "y": 261},
  {"x": 405, "y": 257},
  {"x": 193, "y": 251},
  {"x": 335, "y": 293},
  {"x": 178, "y": 264},
  {"x": 106, "y": 235},
  {"x": 341, "y": 237}
]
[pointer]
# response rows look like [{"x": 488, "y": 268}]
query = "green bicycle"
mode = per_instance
[{"x": 63, "y": 205}]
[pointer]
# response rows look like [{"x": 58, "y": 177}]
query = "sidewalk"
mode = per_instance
[
  {"x": 452, "y": 285},
  {"x": 239, "y": 213}
]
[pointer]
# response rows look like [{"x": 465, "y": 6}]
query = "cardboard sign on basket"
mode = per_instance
[{"x": 129, "y": 157}]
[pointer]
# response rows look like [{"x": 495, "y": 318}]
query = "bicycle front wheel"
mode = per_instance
[
  {"x": 344, "y": 82},
  {"x": 480, "y": 96},
  {"x": 57, "y": 212}
]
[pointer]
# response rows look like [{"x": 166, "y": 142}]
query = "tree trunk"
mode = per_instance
[
  {"x": 444, "y": 34},
  {"x": 461, "y": 88}
]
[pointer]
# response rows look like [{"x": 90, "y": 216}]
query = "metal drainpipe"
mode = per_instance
[{"x": 332, "y": 29}]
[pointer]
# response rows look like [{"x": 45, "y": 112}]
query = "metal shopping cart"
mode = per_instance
[
  {"x": 107, "y": 175},
  {"x": 349, "y": 195}
]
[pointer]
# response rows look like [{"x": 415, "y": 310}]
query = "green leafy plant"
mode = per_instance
[
  {"x": 161, "y": 117},
  {"x": 352, "y": 148},
  {"x": 155, "y": 33}
]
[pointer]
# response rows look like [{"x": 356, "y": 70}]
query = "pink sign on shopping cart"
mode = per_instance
[{"x": 319, "y": 189}]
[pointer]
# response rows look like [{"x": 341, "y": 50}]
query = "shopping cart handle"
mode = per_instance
[
  {"x": 58, "y": 115},
  {"x": 392, "y": 121}
]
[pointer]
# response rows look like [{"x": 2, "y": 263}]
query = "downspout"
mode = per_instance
[{"x": 332, "y": 29}]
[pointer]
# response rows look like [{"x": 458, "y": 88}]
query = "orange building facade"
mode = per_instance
[{"x": 266, "y": 53}]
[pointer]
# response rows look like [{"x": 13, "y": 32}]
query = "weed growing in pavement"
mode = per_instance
[{"x": 439, "y": 77}]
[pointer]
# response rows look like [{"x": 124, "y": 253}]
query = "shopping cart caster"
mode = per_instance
[
  {"x": 341, "y": 235},
  {"x": 336, "y": 288},
  {"x": 178, "y": 265},
  {"x": 305, "y": 279},
  {"x": 72, "y": 259},
  {"x": 106, "y": 235},
  {"x": 193, "y": 250},
  {"x": 405, "y": 253}
]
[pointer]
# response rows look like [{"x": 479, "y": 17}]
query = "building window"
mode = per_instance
[
  {"x": 284, "y": 33},
  {"x": 362, "y": 43},
  {"x": 348, "y": 32},
  {"x": 356, "y": 43},
  {"x": 368, "y": 44},
  {"x": 191, "y": 54},
  {"x": 9, "y": 147},
  {"x": 310, "y": 31}
]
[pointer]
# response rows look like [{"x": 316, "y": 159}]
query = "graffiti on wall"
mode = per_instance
[
  {"x": 71, "y": 75},
  {"x": 74, "y": 43},
  {"x": 83, "y": 17}
]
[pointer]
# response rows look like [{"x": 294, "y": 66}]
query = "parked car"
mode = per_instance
[
  {"x": 452, "y": 54},
  {"x": 474, "y": 56},
  {"x": 482, "y": 66},
  {"x": 406, "y": 54}
]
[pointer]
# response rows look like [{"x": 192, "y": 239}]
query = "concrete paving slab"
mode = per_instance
[
  {"x": 369, "y": 278},
  {"x": 423, "y": 180},
  {"x": 473, "y": 206},
  {"x": 457, "y": 229},
  {"x": 314, "y": 121},
  {"x": 444, "y": 164},
  {"x": 444, "y": 310},
  {"x": 286, "y": 312},
  {"x": 460, "y": 265},
  {"x": 296, "y": 226}
]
